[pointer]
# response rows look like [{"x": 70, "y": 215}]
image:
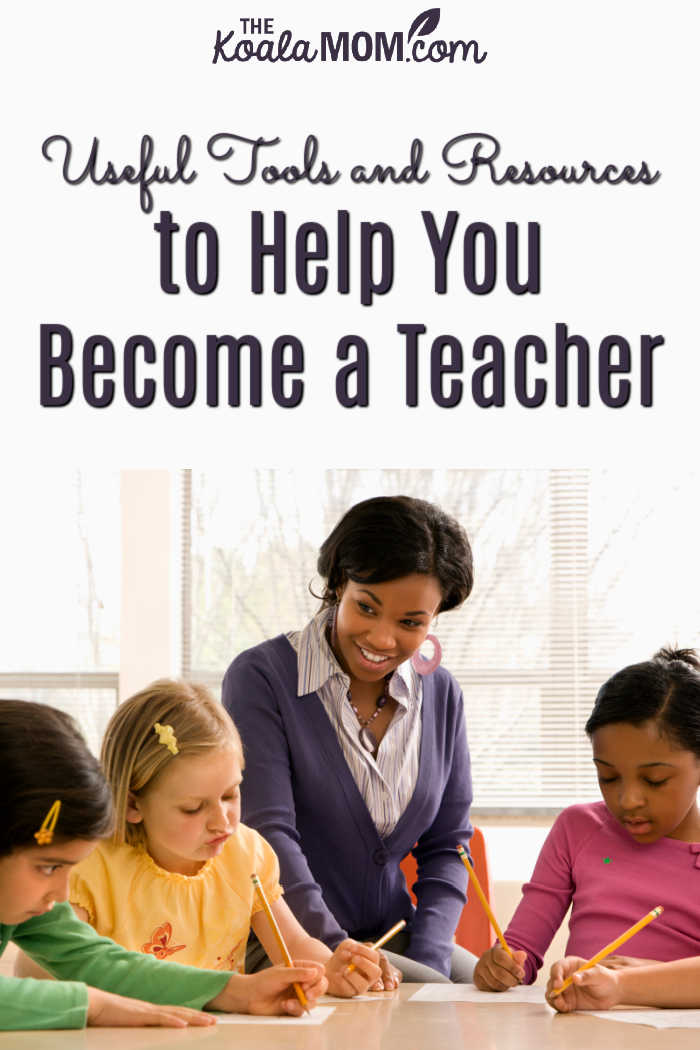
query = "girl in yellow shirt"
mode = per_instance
[
  {"x": 174, "y": 881},
  {"x": 56, "y": 804}
]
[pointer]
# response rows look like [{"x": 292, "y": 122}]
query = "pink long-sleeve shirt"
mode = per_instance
[{"x": 592, "y": 862}]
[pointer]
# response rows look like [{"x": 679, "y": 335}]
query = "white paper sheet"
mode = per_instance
[
  {"x": 318, "y": 1015},
  {"x": 468, "y": 993},
  {"x": 654, "y": 1018}
]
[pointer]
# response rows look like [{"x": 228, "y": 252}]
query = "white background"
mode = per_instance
[{"x": 603, "y": 82}]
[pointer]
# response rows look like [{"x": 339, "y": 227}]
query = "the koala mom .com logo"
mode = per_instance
[{"x": 257, "y": 40}]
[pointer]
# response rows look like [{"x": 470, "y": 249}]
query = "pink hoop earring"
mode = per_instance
[{"x": 421, "y": 664}]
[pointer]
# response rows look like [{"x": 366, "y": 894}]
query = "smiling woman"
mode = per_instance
[
  {"x": 355, "y": 744},
  {"x": 373, "y": 630}
]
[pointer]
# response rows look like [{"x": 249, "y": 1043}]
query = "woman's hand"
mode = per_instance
[
  {"x": 496, "y": 971},
  {"x": 116, "y": 1011},
  {"x": 391, "y": 977},
  {"x": 367, "y": 972},
  {"x": 271, "y": 991},
  {"x": 594, "y": 989}
]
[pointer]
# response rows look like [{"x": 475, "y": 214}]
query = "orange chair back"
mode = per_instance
[{"x": 473, "y": 929}]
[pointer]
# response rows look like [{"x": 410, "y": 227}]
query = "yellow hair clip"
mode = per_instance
[
  {"x": 167, "y": 736},
  {"x": 45, "y": 833}
]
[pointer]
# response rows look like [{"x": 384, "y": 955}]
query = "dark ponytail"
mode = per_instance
[
  {"x": 665, "y": 690},
  {"x": 43, "y": 757}
]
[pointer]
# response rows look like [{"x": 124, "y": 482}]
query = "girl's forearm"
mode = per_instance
[
  {"x": 305, "y": 947},
  {"x": 234, "y": 996},
  {"x": 300, "y": 944},
  {"x": 664, "y": 984}
]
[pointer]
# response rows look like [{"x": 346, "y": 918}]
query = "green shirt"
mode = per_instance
[{"x": 72, "y": 951}]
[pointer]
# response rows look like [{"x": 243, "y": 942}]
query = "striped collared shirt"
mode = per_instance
[{"x": 386, "y": 782}]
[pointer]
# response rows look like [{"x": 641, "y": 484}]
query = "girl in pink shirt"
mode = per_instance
[{"x": 615, "y": 860}]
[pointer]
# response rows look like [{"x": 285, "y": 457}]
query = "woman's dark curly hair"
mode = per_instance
[{"x": 388, "y": 537}]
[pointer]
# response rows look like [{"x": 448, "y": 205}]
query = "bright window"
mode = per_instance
[{"x": 60, "y": 570}]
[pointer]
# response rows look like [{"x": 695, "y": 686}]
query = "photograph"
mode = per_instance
[{"x": 351, "y": 663}]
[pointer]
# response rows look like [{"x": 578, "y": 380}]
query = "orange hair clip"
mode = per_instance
[{"x": 45, "y": 833}]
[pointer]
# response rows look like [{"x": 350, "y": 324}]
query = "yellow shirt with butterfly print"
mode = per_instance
[{"x": 200, "y": 920}]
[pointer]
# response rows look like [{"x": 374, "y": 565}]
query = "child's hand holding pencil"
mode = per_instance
[
  {"x": 497, "y": 970},
  {"x": 593, "y": 989},
  {"x": 604, "y": 985},
  {"x": 276, "y": 990}
]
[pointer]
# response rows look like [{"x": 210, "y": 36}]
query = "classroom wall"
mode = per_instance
[{"x": 146, "y": 606}]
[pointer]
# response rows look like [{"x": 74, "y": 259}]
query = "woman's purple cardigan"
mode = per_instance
[{"x": 340, "y": 877}]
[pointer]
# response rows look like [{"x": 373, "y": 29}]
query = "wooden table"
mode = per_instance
[{"x": 392, "y": 1024}]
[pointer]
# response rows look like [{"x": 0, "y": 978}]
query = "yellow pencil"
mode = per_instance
[
  {"x": 382, "y": 940},
  {"x": 609, "y": 948},
  {"x": 482, "y": 897},
  {"x": 280, "y": 939}
]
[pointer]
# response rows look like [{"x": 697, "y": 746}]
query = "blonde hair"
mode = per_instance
[{"x": 133, "y": 755}]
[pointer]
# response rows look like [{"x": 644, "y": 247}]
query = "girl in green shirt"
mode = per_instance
[{"x": 56, "y": 806}]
